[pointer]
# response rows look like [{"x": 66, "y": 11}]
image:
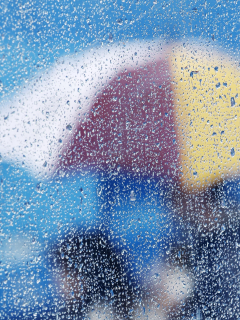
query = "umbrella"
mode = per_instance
[{"x": 150, "y": 107}]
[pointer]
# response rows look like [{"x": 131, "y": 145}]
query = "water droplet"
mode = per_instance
[
  {"x": 232, "y": 102},
  {"x": 120, "y": 21},
  {"x": 218, "y": 85},
  {"x": 45, "y": 164},
  {"x": 132, "y": 196},
  {"x": 192, "y": 73},
  {"x": 110, "y": 37},
  {"x": 38, "y": 187},
  {"x": 69, "y": 127},
  {"x": 111, "y": 292},
  {"x": 232, "y": 152}
]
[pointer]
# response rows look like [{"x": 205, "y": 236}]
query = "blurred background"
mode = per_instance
[
  {"x": 139, "y": 218},
  {"x": 35, "y": 34}
]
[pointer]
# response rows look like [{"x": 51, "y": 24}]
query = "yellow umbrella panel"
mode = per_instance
[{"x": 207, "y": 102}]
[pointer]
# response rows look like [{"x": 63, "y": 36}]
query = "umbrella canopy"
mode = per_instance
[{"x": 146, "y": 107}]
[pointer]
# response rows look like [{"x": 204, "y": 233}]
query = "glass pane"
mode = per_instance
[{"x": 119, "y": 150}]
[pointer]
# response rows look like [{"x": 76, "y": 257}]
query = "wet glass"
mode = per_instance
[{"x": 119, "y": 143}]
